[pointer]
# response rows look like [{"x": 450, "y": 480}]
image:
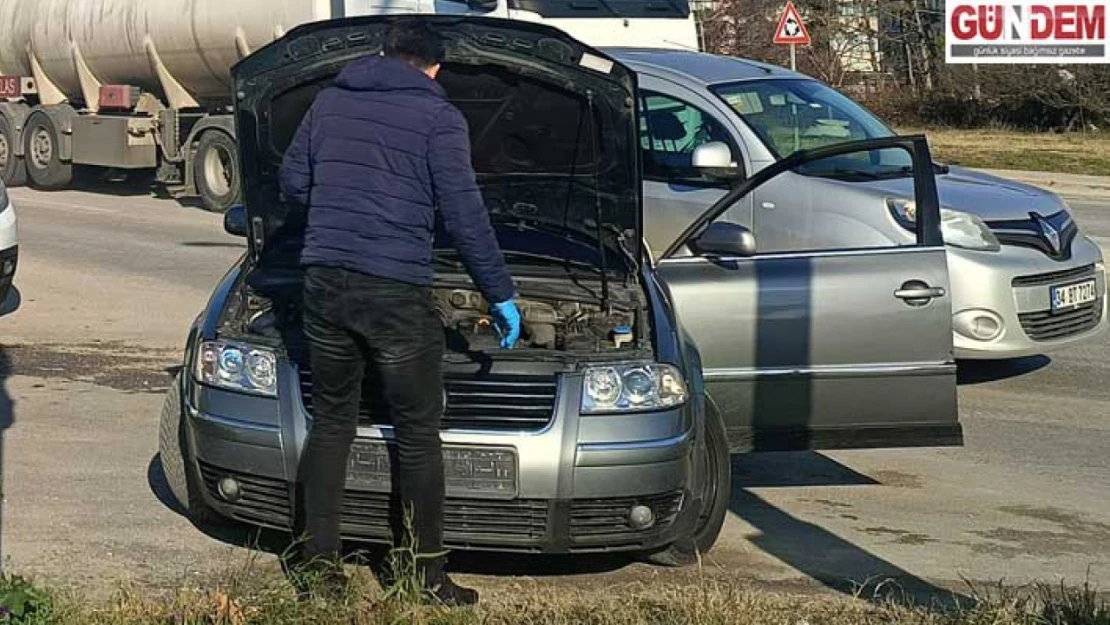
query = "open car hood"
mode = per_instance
[{"x": 552, "y": 125}]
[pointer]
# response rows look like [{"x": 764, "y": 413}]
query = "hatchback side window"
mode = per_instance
[{"x": 670, "y": 131}]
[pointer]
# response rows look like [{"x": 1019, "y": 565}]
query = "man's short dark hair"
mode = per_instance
[{"x": 413, "y": 41}]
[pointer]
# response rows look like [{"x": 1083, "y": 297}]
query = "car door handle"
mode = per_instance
[{"x": 918, "y": 293}]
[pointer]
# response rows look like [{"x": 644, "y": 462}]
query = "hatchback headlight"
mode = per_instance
[
  {"x": 237, "y": 367},
  {"x": 959, "y": 229},
  {"x": 632, "y": 388}
]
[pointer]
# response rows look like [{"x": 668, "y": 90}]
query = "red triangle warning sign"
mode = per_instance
[{"x": 791, "y": 29}]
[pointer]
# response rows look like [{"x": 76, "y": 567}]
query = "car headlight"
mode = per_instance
[
  {"x": 958, "y": 228},
  {"x": 632, "y": 388},
  {"x": 238, "y": 367}
]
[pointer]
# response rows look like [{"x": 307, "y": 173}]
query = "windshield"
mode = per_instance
[{"x": 800, "y": 114}]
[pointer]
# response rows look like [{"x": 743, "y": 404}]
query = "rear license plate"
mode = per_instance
[
  {"x": 1071, "y": 296},
  {"x": 469, "y": 471}
]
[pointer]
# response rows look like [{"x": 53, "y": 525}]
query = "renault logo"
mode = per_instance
[{"x": 1049, "y": 232}]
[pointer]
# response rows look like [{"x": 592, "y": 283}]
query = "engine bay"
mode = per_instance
[
  {"x": 552, "y": 319},
  {"x": 555, "y": 324}
]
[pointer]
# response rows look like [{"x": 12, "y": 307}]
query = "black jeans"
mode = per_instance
[{"x": 355, "y": 322}]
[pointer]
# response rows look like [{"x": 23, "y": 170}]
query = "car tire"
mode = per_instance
[
  {"x": 177, "y": 464},
  {"x": 716, "y": 492},
  {"x": 216, "y": 171},
  {"x": 42, "y": 154},
  {"x": 13, "y": 170}
]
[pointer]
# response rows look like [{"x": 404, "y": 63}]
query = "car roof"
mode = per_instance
[{"x": 700, "y": 67}]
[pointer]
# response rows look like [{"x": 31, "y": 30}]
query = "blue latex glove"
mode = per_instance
[{"x": 506, "y": 318}]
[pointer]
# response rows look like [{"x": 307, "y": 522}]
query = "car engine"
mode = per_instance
[{"x": 557, "y": 324}]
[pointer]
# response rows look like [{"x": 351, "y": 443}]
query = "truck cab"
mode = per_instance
[{"x": 630, "y": 23}]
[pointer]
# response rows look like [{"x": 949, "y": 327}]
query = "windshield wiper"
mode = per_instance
[
  {"x": 937, "y": 169},
  {"x": 540, "y": 226},
  {"x": 553, "y": 259},
  {"x": 844, "y": 172},
  {"x": 447, "y": 258}
]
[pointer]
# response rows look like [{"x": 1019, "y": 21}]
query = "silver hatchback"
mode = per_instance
[{"x": 1025, "y": 280}]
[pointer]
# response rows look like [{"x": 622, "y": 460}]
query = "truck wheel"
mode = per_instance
[
  {"x": 13, "y": 170},
  {"x": 42, "y": 154},
  {"x": 716, "y": 490},
  {"x": 177, "y": 465},
  {"x": 216, "y": 171}
]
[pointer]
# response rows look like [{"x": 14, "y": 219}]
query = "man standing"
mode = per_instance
[{"x": 376, "y": 157}]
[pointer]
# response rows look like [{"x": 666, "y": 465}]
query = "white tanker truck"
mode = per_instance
[{"x": 144, "y": 84}]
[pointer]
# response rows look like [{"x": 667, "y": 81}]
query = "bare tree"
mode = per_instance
[{"x": 900, "y": 42}]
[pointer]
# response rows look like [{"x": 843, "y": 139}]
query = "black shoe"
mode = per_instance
[{"x": 446, "y": 592}]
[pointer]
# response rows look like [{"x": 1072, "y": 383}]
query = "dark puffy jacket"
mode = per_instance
[{"x": 374, "y": 158}]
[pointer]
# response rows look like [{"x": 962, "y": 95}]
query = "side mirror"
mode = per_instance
[
  {"x": 714, "y": 159},
  {"x": 236, "y": 222},
  {"x": 724, "y": 239}
]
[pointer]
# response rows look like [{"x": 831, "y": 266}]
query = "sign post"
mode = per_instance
[{"x": 791, "y": 31}]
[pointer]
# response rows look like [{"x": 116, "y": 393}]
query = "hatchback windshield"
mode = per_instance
[{"x": 799, "y": 114}]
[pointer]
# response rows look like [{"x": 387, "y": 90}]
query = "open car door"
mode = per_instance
[{"x": 831, "y": 345}]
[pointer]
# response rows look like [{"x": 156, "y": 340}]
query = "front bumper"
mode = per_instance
[
  {"x": 577, "y": 478},
  {"x": 1012, "y": 287}
]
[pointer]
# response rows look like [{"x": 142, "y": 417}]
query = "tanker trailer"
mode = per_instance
[
  {"x": 130, "y": 85},
  {"x": 145, "y": 84}
]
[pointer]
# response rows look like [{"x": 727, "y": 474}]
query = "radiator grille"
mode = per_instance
[
  {"x": 1032, "y": 233},
  {"x": 1048, "y": 326},
  {"x": 503, "y": 403},
  {"x": 264, "y": 500},
  {"x": 369, "y": 515},
  {"x": 606, "y": 520},
  {"x": 373, "y": 515},
  {"x": 1055, "y": 277}
]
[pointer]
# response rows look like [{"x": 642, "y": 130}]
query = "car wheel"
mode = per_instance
[
  {"x": 13, "y": 170},
  {"x": 177, "y": 465},
  {"x": 216, "y": 171},
  {"x": 42, "y": 154},
  {"x": 715, "y": 488}
]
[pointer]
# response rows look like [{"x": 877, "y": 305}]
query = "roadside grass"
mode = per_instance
[
  {"x": 1073, "y": 153},
  {"x": 253, "y": 594}
]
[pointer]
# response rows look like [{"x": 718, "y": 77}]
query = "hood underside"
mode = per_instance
[{"x": 552, "y": 126}]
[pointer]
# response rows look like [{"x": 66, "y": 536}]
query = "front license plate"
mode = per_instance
[
  {"x": 1075, "y": 295},
  {"x": 469, "y": 471}
]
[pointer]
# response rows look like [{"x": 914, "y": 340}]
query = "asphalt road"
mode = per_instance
[{"x": 108, "y": 286}]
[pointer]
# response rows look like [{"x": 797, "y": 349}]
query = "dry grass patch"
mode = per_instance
[
  {"x": 250, "y": 595},
  {"x": 1073, "y": 153}
]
